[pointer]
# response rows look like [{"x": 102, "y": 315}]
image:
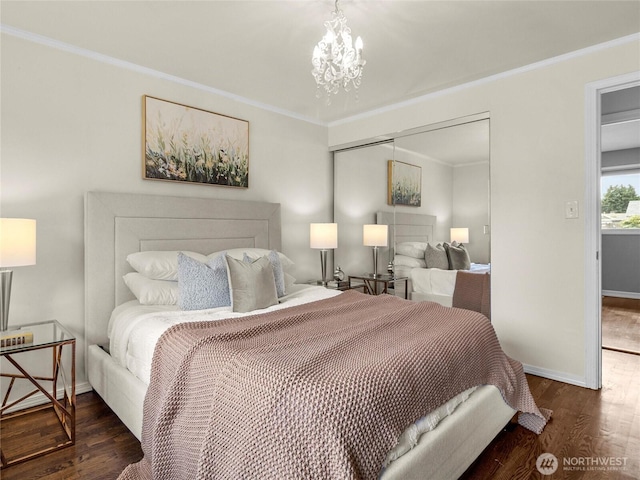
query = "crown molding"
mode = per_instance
[
  {"x": 492, "y": 78},
  {"x": 66, "y": 47},
  {"x": 42, "y": 40}
]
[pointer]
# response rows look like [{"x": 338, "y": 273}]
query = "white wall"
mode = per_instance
[
  {"x": 71, "y": 124},
  {"x": 537, "y": 164}
]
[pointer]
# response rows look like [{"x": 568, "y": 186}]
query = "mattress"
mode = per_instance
[{"x": 134, "y": 329}]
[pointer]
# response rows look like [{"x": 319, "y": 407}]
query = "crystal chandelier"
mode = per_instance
[{"x": 335, "y": 60}]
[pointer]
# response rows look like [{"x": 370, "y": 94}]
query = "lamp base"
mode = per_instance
[
  {"x": 323, "y": 266},
  {"x": 375, "y": 262},
  {"x": 5, "y": 297}
]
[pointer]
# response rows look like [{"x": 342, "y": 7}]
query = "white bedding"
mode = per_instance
[
  {"x": 134, "y": 329},
  {"x": 435, "y": 285},
  {"x": 439, "y": 282}
]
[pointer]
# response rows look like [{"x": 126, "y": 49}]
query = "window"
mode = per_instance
[{"x": 620, "y": 202}]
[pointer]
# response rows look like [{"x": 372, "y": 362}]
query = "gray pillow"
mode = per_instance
[
  {"x": 278, "y": 271},
  {"x": 202, "y": 285},
  {"x": 436, "y": 257},
  {"x": 458, "y": 257},
  {"x": 253, "y": 286}
]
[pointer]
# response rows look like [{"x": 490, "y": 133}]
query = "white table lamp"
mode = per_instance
[
  {"x": 375, "y": 236},
  {"x": 17, "y": 249},
  {"x": 460, "y": 235},
  {"x": 323, "y": 236}
]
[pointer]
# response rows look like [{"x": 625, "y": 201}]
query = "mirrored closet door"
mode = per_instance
[{"x": 376, "y": 183}]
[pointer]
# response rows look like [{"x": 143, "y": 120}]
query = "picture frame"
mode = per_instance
[
  {"x": 188, "y": 144},
  {"x": 404, "y": 184}
]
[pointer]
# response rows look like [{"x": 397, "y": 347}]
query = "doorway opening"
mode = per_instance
[
  {"x": 620, "y": 219},
  {"x": 598, "y": 246}
]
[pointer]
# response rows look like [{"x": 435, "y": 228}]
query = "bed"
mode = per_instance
[
  {"x": 118, "y": 225},
  {"x": 412, "y": 234}
]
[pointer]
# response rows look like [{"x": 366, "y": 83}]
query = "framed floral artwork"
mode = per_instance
[
  {"x": 188, "y": 144},
  {"x": 405, "y": 184}
]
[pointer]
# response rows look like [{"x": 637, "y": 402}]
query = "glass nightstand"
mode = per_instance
[
  {"x": 38, "y": 336},
  {"x": 375, "y": 285},
  {"x": 331, "y": 284}
]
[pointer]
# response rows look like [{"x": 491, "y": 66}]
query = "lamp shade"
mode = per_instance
[
  {"x": 460, "y": 235},
  {"x": 375, "y": 235},
  {"x": 323, "y": 235},
  {"x": 17, "y": 242}
]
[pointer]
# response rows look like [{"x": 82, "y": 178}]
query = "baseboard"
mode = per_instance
[
  {"x": 554, "y": 375},
  {"x": 40, "y": 399},
  {"x": 613, "y": 293}
]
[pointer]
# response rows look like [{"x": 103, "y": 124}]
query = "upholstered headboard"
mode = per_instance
[
  {"x": 117, "y": 224},
  {"x": 407, "y": 227}
]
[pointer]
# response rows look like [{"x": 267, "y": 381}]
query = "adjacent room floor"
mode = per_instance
[{"x": 621, "y": 324}]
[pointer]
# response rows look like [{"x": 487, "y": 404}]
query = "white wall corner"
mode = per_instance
[{"x": 555, "y": 375}]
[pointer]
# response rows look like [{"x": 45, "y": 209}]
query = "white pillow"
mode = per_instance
[
  {"x": 159, "y": 265},
  {"x": 405, "y": 261},
  {"x": 411, "y": 249},
  {"x": 152, "y": 292},
  {"x": 163, "y": 265}
]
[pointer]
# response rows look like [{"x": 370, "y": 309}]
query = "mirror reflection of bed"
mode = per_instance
[{"x": 438, "y": 271}]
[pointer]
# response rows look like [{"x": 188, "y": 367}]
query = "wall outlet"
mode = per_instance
[{"x": 571, "y": 209}]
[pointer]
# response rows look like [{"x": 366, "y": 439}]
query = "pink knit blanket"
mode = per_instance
[
  {"x": 472, "y": 292},
  {"x": 321, "y": 390}
]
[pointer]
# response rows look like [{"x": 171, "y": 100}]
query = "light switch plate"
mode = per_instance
[{"x": 571, "y": 209}]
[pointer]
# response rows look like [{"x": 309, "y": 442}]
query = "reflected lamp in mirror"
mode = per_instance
[
  {"x": 17, "y": 249},
  {"x": 323, "y": 237},
  {"x": 375, "y": 236},
  {"x": 460, "y": 235}
]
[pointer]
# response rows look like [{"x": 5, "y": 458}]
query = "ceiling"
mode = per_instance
[
  {"x": 261, "y": 50},
  {"x": 458, "y": 145}
]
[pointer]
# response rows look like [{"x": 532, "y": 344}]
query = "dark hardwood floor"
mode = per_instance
[
  {"x": 104, "y": 446},
  {"x": 621, "y": 324},
  {"x": 586, "y": 424}
]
